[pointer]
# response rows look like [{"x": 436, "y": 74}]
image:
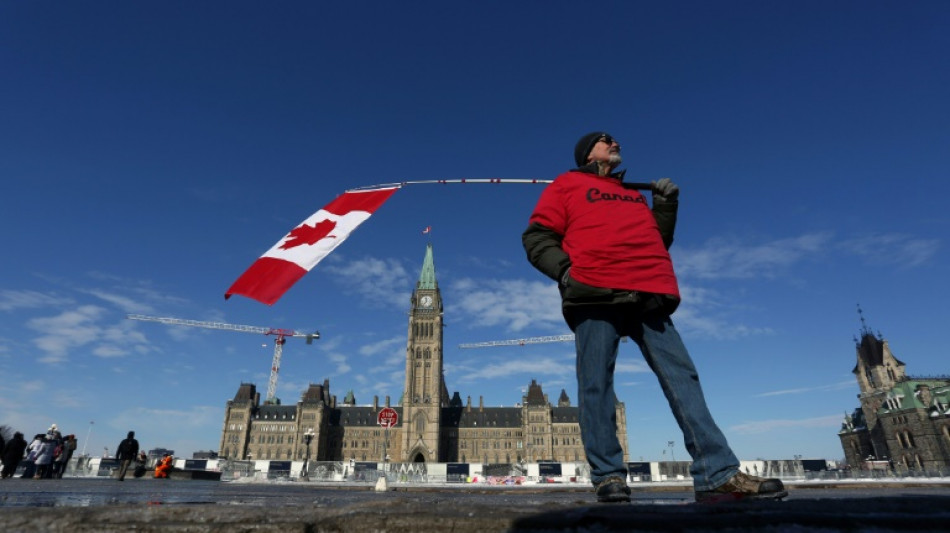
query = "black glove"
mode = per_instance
[{"x": 666, "y": 189}]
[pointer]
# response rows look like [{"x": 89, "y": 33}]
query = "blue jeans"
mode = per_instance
[{"x": 597, "y": 331}]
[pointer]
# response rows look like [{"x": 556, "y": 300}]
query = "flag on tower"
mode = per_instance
[
  {"x": 427, "y": 230},
  {"x": 299, "y": 251}
]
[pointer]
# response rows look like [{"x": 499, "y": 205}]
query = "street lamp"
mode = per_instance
[
  {"x": 672, "y": 454},
  {"x": 88, "y": 432},
  {"x": 307, "y": 438},
  {"x": 83, "y": 459}
]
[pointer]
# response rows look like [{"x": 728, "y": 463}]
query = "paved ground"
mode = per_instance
[{"x": 105, "y": 505}]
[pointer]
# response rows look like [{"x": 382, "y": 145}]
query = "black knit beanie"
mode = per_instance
[{"x": 585, "y": 145}]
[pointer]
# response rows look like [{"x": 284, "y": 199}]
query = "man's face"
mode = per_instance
[{"x": 606, "y": 149}]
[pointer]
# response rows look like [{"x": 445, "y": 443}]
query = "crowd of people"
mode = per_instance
[{"x": 46, "y": 456}]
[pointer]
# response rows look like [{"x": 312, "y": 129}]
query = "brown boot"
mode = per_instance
[
  {"x": 613, "y": 490},
  {"x": 744, "y": 487}
]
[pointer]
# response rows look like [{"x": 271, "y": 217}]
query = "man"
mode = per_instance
[
  {"x": 608, "y": 251},
  {"x": 13, "y": 454},
  {"x": 69, "y": 445},
  {"x": 125, "y": 453}
]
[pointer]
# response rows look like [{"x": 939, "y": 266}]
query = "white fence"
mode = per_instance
[{"x": 503, "y": 474}]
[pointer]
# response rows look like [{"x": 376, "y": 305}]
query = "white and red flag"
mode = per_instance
[
  {"x": 299, "y": 251},
  {"x": 427, "y": 230}
]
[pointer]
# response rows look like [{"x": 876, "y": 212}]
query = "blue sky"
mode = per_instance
[{"x": 151, "y": 151}]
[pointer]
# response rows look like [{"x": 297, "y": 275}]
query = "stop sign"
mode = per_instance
[{"x": 387, "y": 417}]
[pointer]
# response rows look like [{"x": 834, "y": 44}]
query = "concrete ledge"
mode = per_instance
[
  {"x": 412, "y": 514},
  {"x": 94, "y": 505},
  {"x": 405, "y": 515}
]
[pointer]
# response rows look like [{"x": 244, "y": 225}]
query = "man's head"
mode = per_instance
[
  {"x": 597, "y": 146},
  {"x": 131, "y": 434}
]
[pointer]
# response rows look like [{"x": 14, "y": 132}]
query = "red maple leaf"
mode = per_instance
[{"x": 308, "y": 234}]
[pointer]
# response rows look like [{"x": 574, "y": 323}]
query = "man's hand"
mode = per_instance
[{"x": 666, "y": 189}]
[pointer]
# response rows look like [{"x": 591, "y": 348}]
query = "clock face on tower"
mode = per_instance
[{"x": 426, "y": 301}]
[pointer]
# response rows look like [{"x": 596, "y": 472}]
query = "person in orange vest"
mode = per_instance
[{"x": 163, "y": 466}]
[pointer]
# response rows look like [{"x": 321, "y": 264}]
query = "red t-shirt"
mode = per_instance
[{"x": 609, "y": 233}]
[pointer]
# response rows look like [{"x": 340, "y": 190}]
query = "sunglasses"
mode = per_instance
[{"x": 607, "y": 139}]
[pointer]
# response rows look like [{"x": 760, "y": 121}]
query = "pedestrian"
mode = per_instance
[
  {"x": 69, "y": 447},
  {"x": 32, "y": 451},
  {"x": 60, "y": 457},
  {"x": 608, "y": 251},
  {"x": 126, "y": 452},
  {"x": 164, "y": 466},
  {"x": 53, "y": 435},
  {"x": 44, "y": 458},
  {"x": 13, "y": 454},
  {"x": 140, "y": 461}
]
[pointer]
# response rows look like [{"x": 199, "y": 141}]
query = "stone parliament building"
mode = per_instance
[
  {"x": 903, "y": 422},
  {"x": 432, "y": 427}
]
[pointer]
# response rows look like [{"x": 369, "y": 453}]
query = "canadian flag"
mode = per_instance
[
  {"x": 427, "y": 230},
  {"x": 299, "y": 251}
]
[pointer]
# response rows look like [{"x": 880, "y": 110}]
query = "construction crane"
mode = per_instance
[
  {"x": 520, "y": 342},
  {"x": 279, "y": 340}
]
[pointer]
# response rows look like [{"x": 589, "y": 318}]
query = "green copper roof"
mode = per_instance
[
  {"x": 427, "y": 276},
  {"x": 910, "y": 399}
]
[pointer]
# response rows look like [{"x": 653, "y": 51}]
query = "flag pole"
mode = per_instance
[{"x": 638, "y": 186}]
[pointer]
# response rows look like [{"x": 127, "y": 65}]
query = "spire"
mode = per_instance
[
  {"x": 535, "y": 394},
  {"x": 245, "y": 393},
  {"x": 864, "y": 325},
  {"x": 427, "y": 276},
  {"x": 564, "y": 400},
  {"x": 865, "y": 330}
]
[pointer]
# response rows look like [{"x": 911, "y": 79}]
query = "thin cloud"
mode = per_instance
[
  {"x": 893, "y": 248},
  {"x": 730, "y": 258},
  {"x": 631, "y": 367},
  {"x": 704, "y": 313},
  {"x": 822, "y": 388},
  {"x": 512, "y": 305},
  {"x": 11, "y": 300},
  {"x": 35, "y": 385},
  {"x": 393, "y": 352},
  {"x": 66, "y": 330},
  {"x": 82, "y": 327},
  {"x": 381, "y": 282},
  {"x": 385, "y": 345},
  {"x": 488, "y": 263},
  {"x": 142, "y": 289},
  {"x": 341, "y": 361},
  {"x": 768, "y": 426},
  {"x": 536, "y": 366},
  {"x": 125, "y": 303},
  {"x": 329, "y": 344}
]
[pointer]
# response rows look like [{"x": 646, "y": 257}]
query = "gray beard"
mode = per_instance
[{"x": 614, "y": 160}]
